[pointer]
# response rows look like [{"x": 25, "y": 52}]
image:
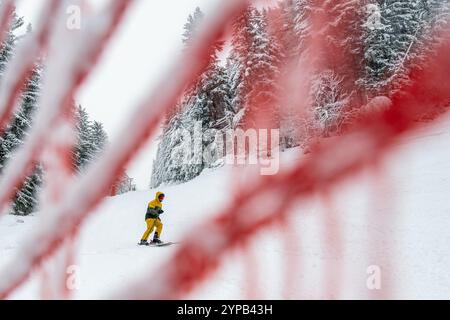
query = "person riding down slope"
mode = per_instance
[{"x": 154, "y": 209}]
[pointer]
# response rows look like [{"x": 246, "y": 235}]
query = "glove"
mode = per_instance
[{"x": 160, "y": 211}]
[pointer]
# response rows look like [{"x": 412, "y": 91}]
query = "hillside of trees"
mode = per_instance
[
  {"x": 376, "y": 44},
  {"x": 92, "y": 138}
]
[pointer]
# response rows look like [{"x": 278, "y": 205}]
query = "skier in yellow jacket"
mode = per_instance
[{"x": 154, "y": 209}]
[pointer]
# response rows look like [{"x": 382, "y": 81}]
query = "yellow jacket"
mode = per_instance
[{"x": 154, "y": 207}]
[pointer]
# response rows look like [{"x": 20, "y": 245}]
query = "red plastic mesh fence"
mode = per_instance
[{"x": 367, "y": 139}]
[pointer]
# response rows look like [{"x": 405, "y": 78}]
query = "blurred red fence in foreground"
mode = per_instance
[{"x": 72, "y": 57}]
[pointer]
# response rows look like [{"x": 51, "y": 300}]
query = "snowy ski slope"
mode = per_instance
[{"x": 396, "y": 218}]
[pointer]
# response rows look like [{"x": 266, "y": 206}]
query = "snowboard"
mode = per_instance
[{"x": 164, "y": 244}]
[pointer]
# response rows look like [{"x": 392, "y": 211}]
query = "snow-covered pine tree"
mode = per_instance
[
  {"x": 6, "y": 53},
  {"x": 399, "y": 36},
  {"x": 91, "y": 141},
  {"x": 191, "y": 26},
  {"x": 26, "y": 198},
  {"x": 99, "y": 138},
  {"x": 254, "y": 66},
  {"x": 9, "y": 43},
  {"x": 329, "y": 35},
  {"x": 91, "y": 138},
  {"x": 209, "y": 107},
  {"x": 167, "y": 165},
  {"x": 290, "y": 24},
  {"x": 85, "y": 147},
  {"x": 434, "y": 18},
  {"x": 342, "y": 44},
  {"x": 205, "y": 105},
  {"x": 407, "y": 21},
  {"x": 378, "y": 55},
  {"x": 237, "y": 62},
  {"x": 302, "y": 10},
  {"x": 261, "y": 75}
]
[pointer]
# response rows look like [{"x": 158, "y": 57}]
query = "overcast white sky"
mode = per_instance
[{"x": 146, "y": 44}]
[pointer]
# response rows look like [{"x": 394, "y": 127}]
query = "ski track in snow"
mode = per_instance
[{"x": 410, "y": 244}]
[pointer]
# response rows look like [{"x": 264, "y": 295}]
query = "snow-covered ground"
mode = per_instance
[{"x": 397, "y": 218}]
